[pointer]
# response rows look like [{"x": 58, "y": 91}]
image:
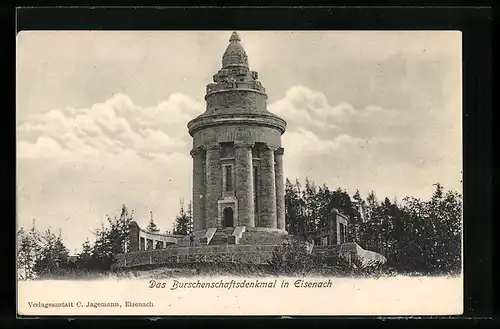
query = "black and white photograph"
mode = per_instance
[{"x": 239, "y": 172}]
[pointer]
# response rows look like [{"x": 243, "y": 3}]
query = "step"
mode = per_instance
[
  {"x": 225, "y": 230},
  {"x": 221, "y": 238}
]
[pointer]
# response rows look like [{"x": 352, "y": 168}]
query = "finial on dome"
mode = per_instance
[
  {"x": 234, "y": 37},
  {"x": 234, "y": 55}
]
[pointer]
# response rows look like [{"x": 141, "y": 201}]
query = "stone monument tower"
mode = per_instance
[{"x": 237, "y": 155}]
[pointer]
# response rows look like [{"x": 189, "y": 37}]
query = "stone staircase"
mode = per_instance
[
  {"x": 233, "y": 235},
  {"x": 223, "y": 236}
]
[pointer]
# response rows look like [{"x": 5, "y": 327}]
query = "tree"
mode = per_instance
[
  {"x": 190, "y": 216},
  {"x": 291, "y": 208},
  {"x": 445, "y": 213},
  {"x": 182, "y": 221},
  {"x": 111, "y": 240},
  {"x": 54, "y": 253},
  {"x": 28, "y": 251},
  {"x": 84, "y": 258},
  {"x": 301, "y": 205},
  {"x": 25, "y": 254},
  {"x": 386, "y": 222},
  {"x": 323, "y": 199},
  {"x": 370, "y": 226},
  {"x": 358, "y": 219},
  {"x": 310, "y": 209},
  {"x": 152, "y": 225}
]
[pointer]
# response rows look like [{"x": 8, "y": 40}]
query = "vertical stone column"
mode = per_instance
[
  {"x": 280, "y": 188},
  {"x": 244, "y": 184},
  {"x": 268, "y": 189},
  {"x": 198, "y": 189},
  {"x": 213, "y": 185}
]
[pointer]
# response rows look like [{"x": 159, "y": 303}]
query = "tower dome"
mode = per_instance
[{"x": 235, "y": 54}]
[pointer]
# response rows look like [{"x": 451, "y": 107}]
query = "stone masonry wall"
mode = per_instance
[
  {"x": 237, "y": 133},
  {"x": 244, "y": 184},
  {"x": 213, "y": 185},
  {"x": 199, "y": 196},
  {"x": 268, "y": 209},
  {"x": 280, "y": 189},
  {"x": 249, "y": 254},
  {"x": 236, "y": 101},
  {"x": 133, "y": 237}
]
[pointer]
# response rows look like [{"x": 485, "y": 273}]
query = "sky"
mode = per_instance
[{"x": 102, "y": 115}]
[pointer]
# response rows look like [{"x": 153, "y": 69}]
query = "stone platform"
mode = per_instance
[
  {"x": 239, "y": 235},
  {"x": 227, "y": 253},
  {"x": 230, "y": 244}
]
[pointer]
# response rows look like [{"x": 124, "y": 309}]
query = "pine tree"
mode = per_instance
[
  {"x": 28, "y": 251},
  {"x": 152, "y": 225},
  {"x": 356, "y": 219},
  {"x": 301, "y": 205},
  {"x": 21, "y": 259},
  {"x": 324, "y": 210},
  {"x": 111, "y": 240},
  {"x": 84, "y": 258},
  {"x": 291, "y": 208},
  {"x": 386, "y": 223},
  {"x": 190, "y": 216},
  {"x": 310, "y": 206},
  {"x": 54, "y": 253},
  {"x": 444, "y": 217},
  {"x": 415, "y": 248},
  {"x": 372, "y": 224},
  {"x": 182, "y": 220}
]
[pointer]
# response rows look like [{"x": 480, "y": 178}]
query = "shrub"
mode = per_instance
[{"x": 291, "y": 258}]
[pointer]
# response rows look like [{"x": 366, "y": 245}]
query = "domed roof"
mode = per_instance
[{"x": 234, "y": 55}]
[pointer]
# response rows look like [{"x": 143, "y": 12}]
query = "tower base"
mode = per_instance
[{"x": 234, "y": 235}]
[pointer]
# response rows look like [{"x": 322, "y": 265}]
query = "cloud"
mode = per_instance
[
  {"x": 110, "y": 127},
  {"x": 307, "y": 109},
  {"x": 84, "y": 163},
  {"x": 317, "y": 128},
  {"x": 44, "y": 147},
  {"x": 393, "y": 151}
]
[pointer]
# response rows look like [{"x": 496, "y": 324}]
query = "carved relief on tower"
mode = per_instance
[
  {"x": 237, "y": 77},
  {"x": 230, "y": 82}
]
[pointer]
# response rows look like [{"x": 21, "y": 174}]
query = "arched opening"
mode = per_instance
[{"x": 228, "y": 217}]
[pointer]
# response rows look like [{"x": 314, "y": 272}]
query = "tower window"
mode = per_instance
[
  {"x": 227, "y": 150},
  {"x": 229, "y": 178},
  {"x": 255, "y": 152}
]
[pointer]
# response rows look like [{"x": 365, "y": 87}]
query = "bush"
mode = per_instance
[{"x": 291, "y": 258}]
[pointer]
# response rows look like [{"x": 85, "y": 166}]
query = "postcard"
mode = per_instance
[{"x": 276, "y": 173}]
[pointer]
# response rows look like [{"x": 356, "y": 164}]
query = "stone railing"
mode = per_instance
[
  {"x": 209, "y": 234},
  {"x": 245, "y": 254},
  {"x": 237, "y": 233}
]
